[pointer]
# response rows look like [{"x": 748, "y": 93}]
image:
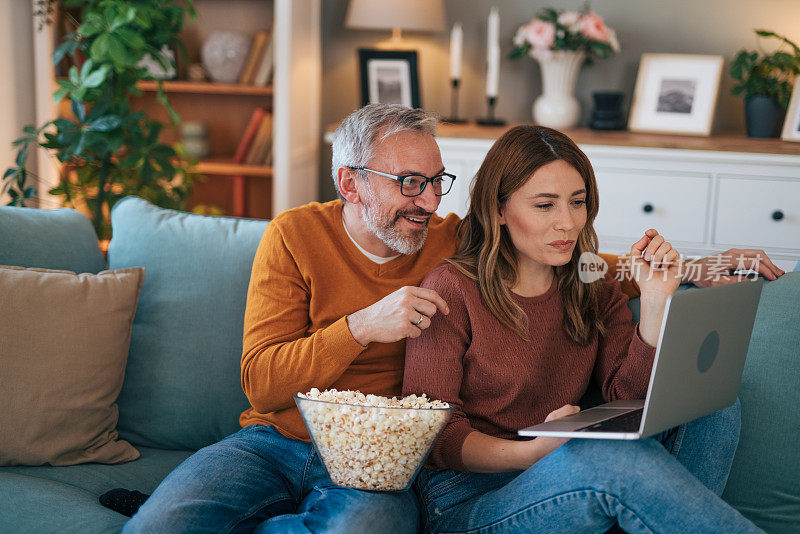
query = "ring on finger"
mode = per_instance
[{"x": 421, "y": 317}]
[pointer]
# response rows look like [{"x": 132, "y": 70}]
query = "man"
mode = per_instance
[{"x": 332, "y": 297}]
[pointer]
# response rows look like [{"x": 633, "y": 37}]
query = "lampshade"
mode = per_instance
[{"x": 415, "y": 15}]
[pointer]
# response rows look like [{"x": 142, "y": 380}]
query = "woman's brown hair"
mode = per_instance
[{"x": 486, "y": 253}]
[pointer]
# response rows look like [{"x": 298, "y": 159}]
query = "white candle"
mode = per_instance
[
  {"x": 493, "y": 72},
  {"x": 493, "y": 53},
  {"x": 456, "y": 43},
  {"x": 493, "y": 31}
]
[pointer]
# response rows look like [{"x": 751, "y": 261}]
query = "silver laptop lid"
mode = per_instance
[{"x": 700, "y": 355}]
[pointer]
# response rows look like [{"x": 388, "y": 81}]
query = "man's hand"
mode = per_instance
[
  {"x": 404, "y": 313},
  {"x": 718, "y": 269}
]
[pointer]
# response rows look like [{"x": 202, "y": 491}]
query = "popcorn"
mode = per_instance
[{"x": 371, "y": 442}]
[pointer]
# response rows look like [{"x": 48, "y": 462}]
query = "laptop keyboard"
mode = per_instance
[{"x": 627, "y": 422}]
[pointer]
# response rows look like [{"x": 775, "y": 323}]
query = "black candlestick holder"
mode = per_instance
[
  {"x": 491, "y": 120},
  {"x": 453, "y": 119}
]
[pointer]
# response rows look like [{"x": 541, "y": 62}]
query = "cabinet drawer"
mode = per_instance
[
  {"x": 633, "y": 201},
  {"x": 758, "y": 213}
]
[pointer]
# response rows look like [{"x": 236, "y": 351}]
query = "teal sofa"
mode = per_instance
[{"x": 182, "y": 388}]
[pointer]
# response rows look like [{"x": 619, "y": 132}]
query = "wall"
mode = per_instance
[
  {"x": 676, "y": 26},
  {"x": 16, "y": 80}
]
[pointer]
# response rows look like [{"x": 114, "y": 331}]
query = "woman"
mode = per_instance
[{"x": 522, "y": 343}]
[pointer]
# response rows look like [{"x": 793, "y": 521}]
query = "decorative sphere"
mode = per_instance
[{"x": 223, "y": 54}]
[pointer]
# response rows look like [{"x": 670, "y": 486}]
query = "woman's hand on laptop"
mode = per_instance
[{"x": 543, "y": 445}]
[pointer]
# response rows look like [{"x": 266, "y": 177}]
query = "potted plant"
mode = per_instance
[
  {"x": 562, "y": 41},
  {"x": 765, "y": 81},
  {"x": 108, "y": 150}
]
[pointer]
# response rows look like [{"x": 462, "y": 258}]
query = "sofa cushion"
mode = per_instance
[
  {"x": 38, "y": 506},
  {"x": 65, "y": 499},
  {"x": 763, "y": 483},
  {"x": 62, "y": 361},
  {"x": 143, "y": 474},
  {"x": 182, "y": 386},
  {"x": 52, "y": 239}
]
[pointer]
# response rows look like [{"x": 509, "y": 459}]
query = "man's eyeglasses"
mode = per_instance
[{"x": 412, "y": 185}]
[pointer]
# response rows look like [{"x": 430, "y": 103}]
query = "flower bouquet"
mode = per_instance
[
  {"x": 555, "y": 29},
  {"x": 561, "y": 42}
]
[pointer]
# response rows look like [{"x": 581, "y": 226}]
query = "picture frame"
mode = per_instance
[
  {"x": 676, "y": 94},
  {"x": 791, "y": 126},
  {"x": 389, "y": 77}
]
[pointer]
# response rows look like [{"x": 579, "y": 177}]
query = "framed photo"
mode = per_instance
[
  {"x": 791, "y": 126},
  {"x": 389, "y": 77},
  {"x": 675, "y": 93}
]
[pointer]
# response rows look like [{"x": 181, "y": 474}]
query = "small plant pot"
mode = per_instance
[{"x": 763, "y": 116}]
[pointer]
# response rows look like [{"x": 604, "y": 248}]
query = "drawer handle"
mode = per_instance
[
  {"x": 777, "y": 215},
  {"x": 648, "y": 208}
]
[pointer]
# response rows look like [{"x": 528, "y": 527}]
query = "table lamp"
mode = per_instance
[{"x": 396, "y": 15}]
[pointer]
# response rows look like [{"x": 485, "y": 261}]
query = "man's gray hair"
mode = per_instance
[{"x": 355, "y": 139}]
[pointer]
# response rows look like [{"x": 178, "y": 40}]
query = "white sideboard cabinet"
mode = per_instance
[{"x": 705, "y": 195}]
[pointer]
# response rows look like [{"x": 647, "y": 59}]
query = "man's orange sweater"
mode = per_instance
[{"x": 307, "y": 277}]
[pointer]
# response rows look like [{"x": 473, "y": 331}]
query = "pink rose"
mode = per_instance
[
  {"x": 540, "y": 34},
  {"x": 594, "y": 28}
]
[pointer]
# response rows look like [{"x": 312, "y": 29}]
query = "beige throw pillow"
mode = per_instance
[{"x": 64, "y": 340}]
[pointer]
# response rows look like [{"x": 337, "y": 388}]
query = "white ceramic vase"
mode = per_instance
[
  {"x": 223, "y": 54},
  {"x": 557, "y": 106}
]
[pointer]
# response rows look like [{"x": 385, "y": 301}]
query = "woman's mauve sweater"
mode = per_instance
[{"x": 500, "y": 383}]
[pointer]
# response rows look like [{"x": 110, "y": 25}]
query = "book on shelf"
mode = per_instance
[
  {"x": 260, "y": 152},
  {"x": 249, "y": 135},
  {"x": 254, "y": 57},
  {"x": 263, "y": 73},
  {"x": 245, "y": 143}
]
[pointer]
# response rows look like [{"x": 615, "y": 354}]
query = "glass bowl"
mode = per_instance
[{"x": 372, "y": 448}]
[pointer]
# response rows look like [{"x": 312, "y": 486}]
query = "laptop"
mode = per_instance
[{"x": 697, "y": 369}]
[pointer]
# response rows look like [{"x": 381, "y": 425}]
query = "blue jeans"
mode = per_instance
[
  {"x": 669, "y": 483},
  {"x": 257, "y": 480}
]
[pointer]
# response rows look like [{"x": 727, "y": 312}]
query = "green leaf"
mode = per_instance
[
  {"x": 104, "y": 124},
  {"x": 99, "y": 49},
  {"x": 64, "y": 124},
  {"x": 29, "y": 192},
  {"x": 767, "y": 33},
  {"x": 6, "y": 187},
  {"x": 65, "y": 48},
  {"x": 97, "y": 77},
  {"x": 60, "y": 189},
  {"x": 79, "y": 110},
  {"x": 155, "y": 131},
  {"x": 143, "y": 19},
  {"x": 131, "y": 39},
  {"x": 86, "y": 68},
  {"x": 119, "y": 54},
  {"x": 21, "y": 156},
  {"x": 60, "y": 94}
]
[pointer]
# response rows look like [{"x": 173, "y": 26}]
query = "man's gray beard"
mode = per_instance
[{"x": 387, "y": 230}]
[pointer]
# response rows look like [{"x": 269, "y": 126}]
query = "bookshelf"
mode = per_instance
[
  {"x": 293, "y": 98},
  {"x": 208, "y": 88}
]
